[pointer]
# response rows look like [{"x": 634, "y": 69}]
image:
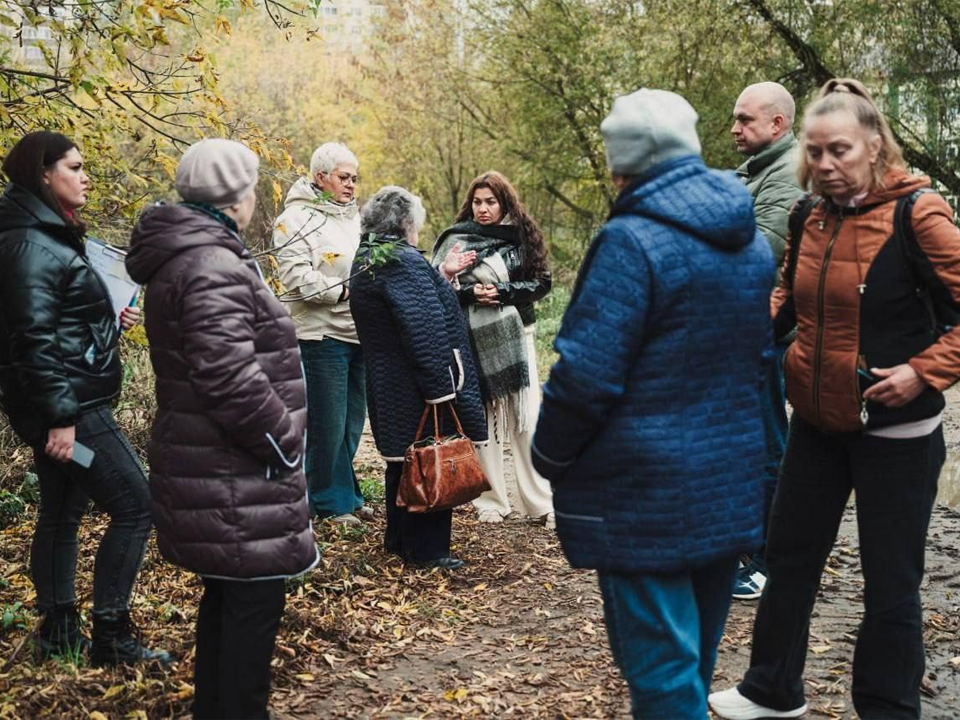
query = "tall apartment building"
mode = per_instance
[
  {"x": 23, "y": 40},
  {"x": 345, "y": 24}
]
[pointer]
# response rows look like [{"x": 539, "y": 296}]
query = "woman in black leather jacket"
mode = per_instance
[
  {"x": 59, "y": 371},
  {"x": 497, "y": 295}
]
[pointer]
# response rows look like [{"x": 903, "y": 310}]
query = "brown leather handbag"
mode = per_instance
[{"x": 439, "y": 472}]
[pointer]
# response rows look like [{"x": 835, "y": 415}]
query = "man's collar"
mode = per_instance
[{"x": 766, "y": 157}]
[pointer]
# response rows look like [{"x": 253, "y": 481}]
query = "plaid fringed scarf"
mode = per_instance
[{"x": 496, "y": 333}]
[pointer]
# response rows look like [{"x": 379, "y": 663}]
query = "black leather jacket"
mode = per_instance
[
  {"x": 58, "y": 332},
  {"x": 521, "y": 292}
]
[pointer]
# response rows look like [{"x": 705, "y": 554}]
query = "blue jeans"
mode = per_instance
[
  {"x": 773, "y": 399},
  {"x": 336, "y": 410},
  {"x": 117, "y": 485},
  {"x": 664, "y": 631}
]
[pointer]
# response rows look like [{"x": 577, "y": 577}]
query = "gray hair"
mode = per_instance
[
  {"x": 392, "y": 211},
  {"x": 326, "y": 157}
]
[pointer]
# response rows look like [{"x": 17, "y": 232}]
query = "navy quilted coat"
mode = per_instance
[
  {"x": 229, "y": 495},
  {"x": 650, "y": 428},
  {"x": 415, "y": 346}
]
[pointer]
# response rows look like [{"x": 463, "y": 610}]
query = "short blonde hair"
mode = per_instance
[{"x": 841, "y": 94}]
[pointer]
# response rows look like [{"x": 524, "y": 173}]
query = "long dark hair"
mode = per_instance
[
  {"x": 535, "y": 255},
  {"x": 30, "y": 158}
]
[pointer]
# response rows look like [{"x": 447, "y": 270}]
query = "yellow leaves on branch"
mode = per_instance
[
  {"x": 160, "y": 10},
  {"x": 277, "y": 193}
]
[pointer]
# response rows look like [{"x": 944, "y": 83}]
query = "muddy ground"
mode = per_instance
[{"x": 515, "y": 634}]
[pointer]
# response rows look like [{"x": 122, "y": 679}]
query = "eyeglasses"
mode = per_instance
[{"x": 348, "y": 178}]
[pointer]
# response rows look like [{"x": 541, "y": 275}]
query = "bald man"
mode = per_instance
[{"x": 763, "y": 131}]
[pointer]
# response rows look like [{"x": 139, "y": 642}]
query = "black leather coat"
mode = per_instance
[
  {"x": 521, "y": 291},
  {"x": 58, "y": 332}
]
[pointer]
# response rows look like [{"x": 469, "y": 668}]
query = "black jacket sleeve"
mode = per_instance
[
  {"x": 521, "y": 292},
  {"x": 31, "y": 297}
]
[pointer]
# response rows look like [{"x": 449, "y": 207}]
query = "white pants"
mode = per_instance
[{"x": 536, "y": 498}]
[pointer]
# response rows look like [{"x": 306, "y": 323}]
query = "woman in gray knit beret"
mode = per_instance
[{"x": 226, "y": 451}]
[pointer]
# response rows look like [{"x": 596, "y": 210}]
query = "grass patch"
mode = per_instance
[{"x": 549, "y": 314}]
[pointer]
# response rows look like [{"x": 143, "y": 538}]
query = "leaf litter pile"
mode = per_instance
[{"x": 516, "y": 633}]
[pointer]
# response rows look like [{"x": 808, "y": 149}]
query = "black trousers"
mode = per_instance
[
  {"x": 895, "y": 482},
  {"x": 416, "y": 537},
  {"x": 236, "y": 629}
]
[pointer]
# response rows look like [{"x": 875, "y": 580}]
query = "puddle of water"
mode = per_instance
[{"x": 949, "y": 487}]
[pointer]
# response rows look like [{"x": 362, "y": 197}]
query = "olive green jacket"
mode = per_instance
[{"x": 771, "y": 177}]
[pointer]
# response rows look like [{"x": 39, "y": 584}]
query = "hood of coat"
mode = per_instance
[
  {"x": 21, "y": 209},
  {"x": 305, "y": 193},
  {"x": 711, "y": 205},
  {"x": 164, "y": 231}
]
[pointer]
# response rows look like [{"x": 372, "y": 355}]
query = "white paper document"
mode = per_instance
[{"x": 108, "y": 262}]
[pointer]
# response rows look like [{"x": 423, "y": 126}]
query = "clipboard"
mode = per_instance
[{"x": 108, "y": 262}]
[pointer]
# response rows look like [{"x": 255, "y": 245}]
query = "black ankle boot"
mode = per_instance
[
  {"x": 60, "y": 633},
  {"x": 116, "y": 641}
]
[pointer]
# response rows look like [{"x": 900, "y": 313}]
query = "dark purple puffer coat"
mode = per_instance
[{"x": 226, "y": 452}]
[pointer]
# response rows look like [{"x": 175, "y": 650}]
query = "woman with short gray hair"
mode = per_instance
[
  {"x": 316, "y": 238},
  {"x": 417, "y": 352}
]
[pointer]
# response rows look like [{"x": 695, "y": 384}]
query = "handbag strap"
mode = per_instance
[
  {"x": 436, "y": 420},
  {"x": 456, "y": 420},
  {"x": 423, "y": 422}
]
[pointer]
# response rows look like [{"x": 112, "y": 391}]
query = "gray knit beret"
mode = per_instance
[
  {"x": 216, "y": 171},
  {"x": 646, "y": 128}
]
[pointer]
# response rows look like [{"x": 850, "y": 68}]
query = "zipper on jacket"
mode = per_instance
[{"x": 821, "y": 292}]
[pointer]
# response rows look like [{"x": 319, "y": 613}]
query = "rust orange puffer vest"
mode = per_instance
[{"x": 856, "y": 304}]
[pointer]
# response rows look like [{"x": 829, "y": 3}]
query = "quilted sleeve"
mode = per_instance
[
  {"x": 217, "y": 311},
  {"x": 600, "y": 337},
  {"x": 31, "y": 294},
  {"x": 418, "y": 313}
]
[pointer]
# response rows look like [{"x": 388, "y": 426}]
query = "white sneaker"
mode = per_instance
[
  {"x": 490, "y": 516},
  {"x": 730, "y": 704},
  {"x": 550, "y": 521}
]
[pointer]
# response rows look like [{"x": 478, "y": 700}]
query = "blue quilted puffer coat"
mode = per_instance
[
  {"x": 650, "y": 428},
  {"x": 415, "y": 347}
]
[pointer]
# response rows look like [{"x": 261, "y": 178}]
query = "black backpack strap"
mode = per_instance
[
  {"x": 904, "y": 234},
  {"x": 942, "y": 317},
  {"x": 797, "y": 219}
]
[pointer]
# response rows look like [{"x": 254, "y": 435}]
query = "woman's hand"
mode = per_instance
[
  {"x": 60, "y": 443},
  {"x": 129, "y": 317},
  {"x": 486, "y": 294},
  {"x": 456, "y": 262},
  {"x": 900, "y": 385}
]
